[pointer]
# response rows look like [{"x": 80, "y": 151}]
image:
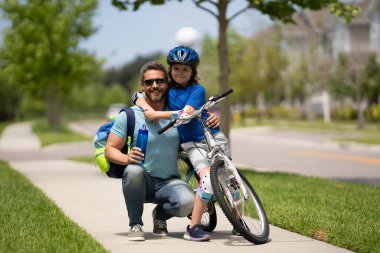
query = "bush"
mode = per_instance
[
  {"x": 10, "y": 101},
  {"x": 373, "y": 113},
  {"x": 116, "y": 94},
  {"x": 32, "y": 107},
  {"x": 346, "y": 112},
  {"x": 252, "y": 112},
  {"x": 96, "y": 96},
  {"x": 284, "y": 112}
]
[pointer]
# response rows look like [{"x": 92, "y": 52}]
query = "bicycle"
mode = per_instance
[{"x": 234, "y": 193}]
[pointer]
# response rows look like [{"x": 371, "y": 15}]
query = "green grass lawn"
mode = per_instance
[
  {"x": 339, "y": 213},
  {"x": 31, "y": 222},
  {"x": 3, "y": 125},
  {"x": 48, "y": 136},
  {"x": 86, "y": 159}
]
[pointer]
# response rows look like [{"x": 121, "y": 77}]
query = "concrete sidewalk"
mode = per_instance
[{"x": 95, "y": 202}]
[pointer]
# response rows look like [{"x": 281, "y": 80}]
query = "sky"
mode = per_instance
[{"x": 124, "y": 35}]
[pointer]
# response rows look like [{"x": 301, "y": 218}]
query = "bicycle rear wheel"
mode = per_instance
[
  {"x": 247, "y": 216},
  {"x": 187, "y": 172}
]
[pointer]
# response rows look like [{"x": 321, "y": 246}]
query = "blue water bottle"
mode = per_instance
[{"x": 142, "y": 139}]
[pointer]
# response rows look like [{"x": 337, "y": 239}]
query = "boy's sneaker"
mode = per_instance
[
  {"x": 136, "y": 233},
  {"x": 160, "y": 228},
  {"x": 196, "y": 233}
]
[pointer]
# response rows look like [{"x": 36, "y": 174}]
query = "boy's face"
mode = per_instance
[
  {"x": 181, "y": 74},
  {"x": 154, "y": 85}
]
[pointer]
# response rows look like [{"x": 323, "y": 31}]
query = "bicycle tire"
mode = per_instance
[
  {"x": 249, "y": 218},
  {"x": 209, "y": 217}
]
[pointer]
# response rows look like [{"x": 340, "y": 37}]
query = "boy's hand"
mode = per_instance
[
  {"x": 151, "y": 115},
  {"x": 212, "y": 120}
]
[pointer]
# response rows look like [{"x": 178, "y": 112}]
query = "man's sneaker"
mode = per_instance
[
  {"x": 196, "y": 233},
  {"x": 136, "y": 233},
  {"x": 160, "y": 228}
]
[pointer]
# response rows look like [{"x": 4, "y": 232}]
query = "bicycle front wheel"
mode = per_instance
[{"x": 247, "y": 215}]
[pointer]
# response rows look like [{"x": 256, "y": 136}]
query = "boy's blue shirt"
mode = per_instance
[
  {"x": 161, "y": 155},
  {"x": 195, "y": 96}
]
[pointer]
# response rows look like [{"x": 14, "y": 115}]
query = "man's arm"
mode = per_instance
[{"x": 113, "y": 151}]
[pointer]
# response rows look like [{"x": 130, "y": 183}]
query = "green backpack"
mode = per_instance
[{"x": 100, "y": 140}]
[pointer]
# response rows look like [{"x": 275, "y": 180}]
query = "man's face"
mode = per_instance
[{"x": 154, "y": 85}]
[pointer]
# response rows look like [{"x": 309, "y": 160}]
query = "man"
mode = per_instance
[{"x": 156, "y": 180}]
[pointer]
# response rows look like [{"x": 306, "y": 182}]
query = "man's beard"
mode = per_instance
[{"x": 155, "y": 97}]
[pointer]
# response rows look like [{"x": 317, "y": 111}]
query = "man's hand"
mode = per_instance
[
  {"x": 212, "y": 120},
  {"x": 135, "y": 155}
]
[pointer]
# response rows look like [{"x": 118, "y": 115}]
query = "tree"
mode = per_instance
[
  {"x": 371, "y": 80},
  {"x": 281, "y": 10},
  {"x": 126, "y": 74},
  {"x": 357, "y": 76},
  {"x": 41, "y": 53},
  {"x": 208, "y": 69},
  {"x": 10, "y": 100}
]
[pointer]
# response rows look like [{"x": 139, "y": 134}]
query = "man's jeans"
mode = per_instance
[{"x": 173, "y": 197}]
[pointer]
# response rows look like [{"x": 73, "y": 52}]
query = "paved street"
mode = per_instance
[{"x": 310, "y": 154}]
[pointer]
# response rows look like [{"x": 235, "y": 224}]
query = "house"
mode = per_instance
[
  {"x": 331, "y": 36},
  {"x": 318, "y": 38},
  {"x": 373, "y": 13}
]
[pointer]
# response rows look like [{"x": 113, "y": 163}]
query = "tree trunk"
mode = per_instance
[
  {"x": 358, "y": 94},
  {"x": 53, "y": 107},
  {"x": 359, "y": 101},
  {"x": 224, "y": 66}
]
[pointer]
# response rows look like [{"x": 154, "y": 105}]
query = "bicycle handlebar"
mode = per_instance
[
  {"x": 221, "y": 95},
  {"x": 171, "y": 123}
]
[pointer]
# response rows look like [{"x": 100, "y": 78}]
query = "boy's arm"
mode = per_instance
[
  {"x": 153, "y": 115},
  {"x": 149, "y": 113},
  {"x": 189, "y": 109},
  {"x": 139, "y": 100}
]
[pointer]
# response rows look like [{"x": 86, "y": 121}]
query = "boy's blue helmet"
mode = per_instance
[{"x": 183, "y": 55}]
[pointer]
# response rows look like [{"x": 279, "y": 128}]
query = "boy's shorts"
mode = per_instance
[{"x": 196, "y": 151}]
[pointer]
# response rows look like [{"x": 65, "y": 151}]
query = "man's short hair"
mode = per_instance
[{"x": 153, "y": 65}]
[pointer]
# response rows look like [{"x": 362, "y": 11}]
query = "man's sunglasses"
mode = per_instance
[{"x": 159, "y": 81}]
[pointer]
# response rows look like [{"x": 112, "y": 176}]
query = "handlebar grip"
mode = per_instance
[
  {"x": 162, "y": 130},
  {"x": 222, "y": 95}
]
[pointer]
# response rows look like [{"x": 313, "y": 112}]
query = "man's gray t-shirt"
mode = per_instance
[{"x": 161, "y": 153}]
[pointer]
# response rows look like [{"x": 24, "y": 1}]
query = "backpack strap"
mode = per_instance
[{"x": 130, "y": 129}]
